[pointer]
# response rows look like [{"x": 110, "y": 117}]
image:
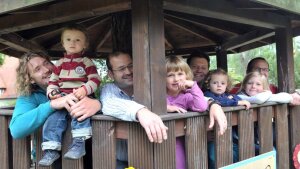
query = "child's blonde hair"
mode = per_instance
[
  {"x": 250, "y": 75},
  {"x": 176, "y": 63},
  {"x": 218, "y": 71}
]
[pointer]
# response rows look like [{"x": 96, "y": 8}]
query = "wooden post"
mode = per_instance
[
  {"x": 149, "y": 54},
  {"x": 221, "y": 58},
  {"x": 285, "y": 59},
  {"x": 121, "y": 32}
]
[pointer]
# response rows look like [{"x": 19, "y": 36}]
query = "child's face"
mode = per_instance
[
  {"x": 173, "y": 80},
  {"x": 73, "y": 41},
  {"x": 218, "y": 83},
  {"x": 254, "y": 86}
]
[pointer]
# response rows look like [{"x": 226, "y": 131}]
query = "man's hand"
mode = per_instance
[
  {"x": 153, "y": 125},
  {"x": 84, "y": 108},
  {"x": 63, "y": 102},
  {"x": 216, "y": 113}
]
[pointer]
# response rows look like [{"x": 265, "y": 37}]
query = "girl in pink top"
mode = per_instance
[{"x": 182, "y": 94}]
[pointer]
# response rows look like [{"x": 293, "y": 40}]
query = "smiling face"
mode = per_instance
[
  {"x": 73, "y": 41},
  {"x": 218, "y": 83},
  {"x": 199, "y": 67},
  {"x": 254, "y": 86},
  {"x": 40, "y": 71},
  {"x": 122, "y": 71},
  {"x": 173, "y": 79}
]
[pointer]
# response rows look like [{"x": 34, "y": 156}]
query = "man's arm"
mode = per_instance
[{"x": 122, "y": 107}]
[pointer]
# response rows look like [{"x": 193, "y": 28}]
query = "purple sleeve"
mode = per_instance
[{"x": 196, "y": 100}]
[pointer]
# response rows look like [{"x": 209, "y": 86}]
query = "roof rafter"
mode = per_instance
[
  {"x": 247, "y": 38},
  {"x": 226, "y": 11},
  {"x": 202, "y": 33},
  {"x": 62, "y": 12},
  {"x": 20, "y": 44}
]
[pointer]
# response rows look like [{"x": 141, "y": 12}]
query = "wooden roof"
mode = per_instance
[{"x": 208, "y": 25}]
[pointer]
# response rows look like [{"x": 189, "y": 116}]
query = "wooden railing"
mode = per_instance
[{"x": 194, "y": 126}]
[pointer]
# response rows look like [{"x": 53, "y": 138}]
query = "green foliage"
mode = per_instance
[
  {"x": 2, "y": 56},
  {"x": 102, "y": 70}
]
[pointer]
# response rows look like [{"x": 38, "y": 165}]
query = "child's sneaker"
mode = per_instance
[
  {"x": 77, "y": 149},
  {"x": 49, "y": 157}
]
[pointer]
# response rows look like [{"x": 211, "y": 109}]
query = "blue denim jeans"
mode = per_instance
[{"x": 57, "y": 123}]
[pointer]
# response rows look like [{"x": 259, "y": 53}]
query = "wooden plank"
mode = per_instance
[
  {"x": 140, "y": 150},
  {"x": 265, "y": 129},
  {"x": 140, "y": 52},
  {"x": 21, "y": 153},
  {"x": 9, "y": 5},
  {"x": 4, "y": 148},
  {"x": 157, "y": 57},
  {"x": 223, "y": 144},
  {"x": 288, "y": 5},
  {"x": 67, "y": 141},
  {"x": 164, "y": 153},
  {"x": 294, "y": 117},
  {"x": 39, "y": 153},
  {"x": 61, "y": 11},
  {"x": 246, "y": 135},
  {"x": 221, "y": 58},
  {"x": 196, "y": 143},
  {"x": 104, "y": 144},
  {"x": 227, "y": 11},
  {"x": 285, "y": 59},
  {"x": 282, "y": 136}
]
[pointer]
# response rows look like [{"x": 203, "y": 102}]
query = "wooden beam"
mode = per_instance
[
  {"x": 224, "y": 10},
  {"x": 20, "y": 44},
  {"x": 10, "y": 5},
  {"x": 102, "y": 38},
  {"x": 13, "y": 53},
  {"x": 246, "y": 39},
  {"x": 62, "y": 11},
  {"x": 285, "y": 60},
  {"x": 169, "y": 41},
  {"x": 201, "y": 33},
  {"x": 221, "y": 58},
  {"x": 229, "y": 27},
  {"x": 185, "y": 51}
]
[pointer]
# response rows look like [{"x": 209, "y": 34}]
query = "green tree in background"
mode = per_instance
[{"x": 2, "y": 56}]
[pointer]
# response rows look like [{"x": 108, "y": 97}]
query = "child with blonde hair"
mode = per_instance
[
  {"x": 182, "y": 94},
  {"x": 217, "y": 85},
  {"x": 73, "y": 74}
]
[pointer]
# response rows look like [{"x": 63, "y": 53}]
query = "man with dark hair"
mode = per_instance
[{"x": 199, "y": 63}]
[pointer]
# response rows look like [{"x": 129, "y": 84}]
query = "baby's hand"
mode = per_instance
[
  {"x": 244, "y": 103},
  {"x": 79, "y": 93},
  {"x": 171, "y": 109},
  {"x": 54, "y": 94}
]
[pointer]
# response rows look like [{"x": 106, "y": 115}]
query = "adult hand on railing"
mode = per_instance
[
  {"x": 63, "y": 102},
  {"x": 84, "y": 108},
  {"x": 153, "y": 125},
  {"x": 216, "y": 113}
]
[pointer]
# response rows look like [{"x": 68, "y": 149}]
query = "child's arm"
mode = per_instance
[
  {"x": 196, "y": 100},
  {"x": 53, "y": 87},
  {"x": 244, "y": 103},
  {"x": 171, "y": 109},
  {"x": 259, "y": 98},
  {"x": 281, "y": 98},
  {"x": 94, "y": 79}
]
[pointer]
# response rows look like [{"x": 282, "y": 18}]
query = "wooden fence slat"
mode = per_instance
[
  {"x": 196, "y": 143},
  {"x": 104, "y": 144},
  {"x": 282, "y": 136},
  {"x": 246, "y": 134},
  {"x": 4, "y": 155},
  {"x": 67, "y": 141},
  {"x": 223, "y": 144},
  {"x": 140, "y": 149},
  {"x": 265, "y": 129},
  {"x": 294, "y": 126},
  {"x": 164, "y": 153},
  {"x": 21, "y": 153},
  {"x": 39, "y": 153}
]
